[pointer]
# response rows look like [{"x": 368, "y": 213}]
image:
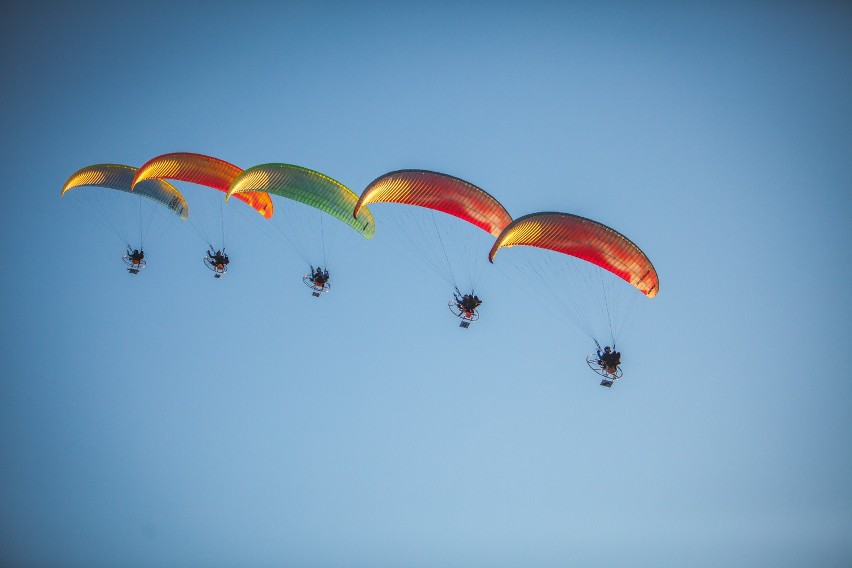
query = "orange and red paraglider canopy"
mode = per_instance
[{"x": 203, "y": 170}]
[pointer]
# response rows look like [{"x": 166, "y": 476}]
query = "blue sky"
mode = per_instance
[{"x": 171, "y": 419}]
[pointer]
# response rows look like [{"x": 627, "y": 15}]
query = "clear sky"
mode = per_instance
[{"x": 173, "y": 420}]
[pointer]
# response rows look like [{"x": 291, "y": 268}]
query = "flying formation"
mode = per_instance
[{"x": 581, "y": 270}]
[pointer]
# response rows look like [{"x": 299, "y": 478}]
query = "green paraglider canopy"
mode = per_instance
[{"x": 309, "y": 187}]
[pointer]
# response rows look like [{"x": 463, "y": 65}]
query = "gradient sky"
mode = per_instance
[{"x": 174, "y": 420}]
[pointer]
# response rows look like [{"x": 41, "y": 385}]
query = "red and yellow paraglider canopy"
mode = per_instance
[{"x": 584, "y": 239}]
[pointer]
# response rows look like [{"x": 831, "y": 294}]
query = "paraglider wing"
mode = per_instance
[
  {"x": 440, "y": 192},
  {"x": 308, "y": 187},
  {"x": 203, "y": 170},
  {"x": 585, "y": 239},
  {"x": 120, "y": 177}
]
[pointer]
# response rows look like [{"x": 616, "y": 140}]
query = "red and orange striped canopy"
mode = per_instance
[{"x": 440, "y": 192}]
